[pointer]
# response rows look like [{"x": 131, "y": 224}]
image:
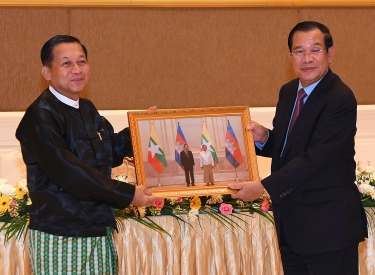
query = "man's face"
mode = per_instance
[
  {"x": 186, "y": 147},
  {"x": 309, "y": 67},
  {"x": 204, "y": 148},
  {"x": 69, "y": 71}
]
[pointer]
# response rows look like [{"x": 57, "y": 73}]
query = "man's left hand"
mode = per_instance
[{"x": 248, "y": 191}]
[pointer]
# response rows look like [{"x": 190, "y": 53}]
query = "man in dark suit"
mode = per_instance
[
  {"x": 187, "y": 163},
  {"x": 317, "y": 208}
]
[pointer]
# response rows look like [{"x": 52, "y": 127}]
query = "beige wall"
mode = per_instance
[{"x": 180, "y": 57}]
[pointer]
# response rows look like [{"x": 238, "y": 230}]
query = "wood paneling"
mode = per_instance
[
  {"x": 184, "y": 57},
  {"x": 353, "y": 32},
  {"x": 180, "y": 57},
  {"x": 22, "y": 34}
]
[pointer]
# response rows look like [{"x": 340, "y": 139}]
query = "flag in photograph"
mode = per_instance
[
  {"x": 156, "y": 155},
  {"x": 179, "y": 145},
  {"x": 206, "y": 140},
  {"x": 232, "y": 148}
]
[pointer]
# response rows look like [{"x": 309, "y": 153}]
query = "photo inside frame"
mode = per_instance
[{"x": 159, "y": 137}]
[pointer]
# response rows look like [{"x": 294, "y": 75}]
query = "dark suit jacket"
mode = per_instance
[
  {"x": 187, "y": 161},
  {"x": 312, "y": 184}
]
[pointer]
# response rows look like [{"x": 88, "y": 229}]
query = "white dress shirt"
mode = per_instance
[{"x": 206, "y": 158}]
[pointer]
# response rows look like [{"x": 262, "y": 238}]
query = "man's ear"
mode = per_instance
[
  {"x": 290, "y": 55},
  {"x": 331, "y": 52},
  {"x": 46, "y": 73}
]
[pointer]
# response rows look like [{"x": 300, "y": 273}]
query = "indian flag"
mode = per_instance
[
  {"x": 156, "y": 155},
  {"x": 206, "y": 140}
]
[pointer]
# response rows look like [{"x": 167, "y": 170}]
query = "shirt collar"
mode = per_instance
[
  {"x": 64, "y": 99},
  {"x": 310, "y": 88}
]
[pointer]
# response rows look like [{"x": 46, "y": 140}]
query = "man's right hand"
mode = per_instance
[
  {"x": 260, "y": 133},
  {"x": 247, "y": 190},
  {"x": 143, "y": 197},
  {"x": 153, "y": 108}
]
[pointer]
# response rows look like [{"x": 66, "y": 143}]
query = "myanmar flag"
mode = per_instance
[
  {"x": 206, "y": 140},
  {"x": 179, "y": 145},
  {"x": 156, "y": 155},
  {"x": 232, "y": 148}
]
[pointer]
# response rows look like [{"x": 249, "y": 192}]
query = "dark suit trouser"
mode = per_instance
[
  {"x": 189, "y": 171},
  {"x": 340, "y": 262}
]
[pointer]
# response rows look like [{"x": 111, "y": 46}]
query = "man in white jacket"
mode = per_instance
[{"x": 207, "y": 162}]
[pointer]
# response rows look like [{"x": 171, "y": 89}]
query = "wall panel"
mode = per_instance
[
  {"x": 180, "y": 57},
  {"x": 23, "y": 32},
  {"x": 353, "y": 32},
  {"x": 184, "y": 57}
]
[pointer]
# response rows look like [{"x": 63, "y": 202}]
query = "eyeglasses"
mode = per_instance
[{"x": 301, "y": 53}]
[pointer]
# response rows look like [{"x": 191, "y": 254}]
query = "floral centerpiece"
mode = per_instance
[
  {"x": 222, "y": 208},
  {"x": 365, "y": 181},
  {"x": 14, "y": 208},
  {"x": 15, "y": 202}
]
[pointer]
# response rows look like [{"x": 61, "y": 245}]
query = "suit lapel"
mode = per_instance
[{"x": 309, "y": 108}]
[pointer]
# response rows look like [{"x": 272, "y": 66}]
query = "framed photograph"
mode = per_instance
[{"x": 192, "y": 152}]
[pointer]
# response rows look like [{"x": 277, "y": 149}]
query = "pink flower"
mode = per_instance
[
  {"x": 265, "y": 206},
  {"x": 226, "y": 209},
  {"x": 158, "y": 204},
  {"x": 177, "y": 200},
  {"x": 135, "y": 211}
]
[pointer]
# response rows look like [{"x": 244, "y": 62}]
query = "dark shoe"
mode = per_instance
[
  {"x": 207, "y": 184},
  {"x": 187, "y": 185},
  {"x": 212, "y": 183},
  {"x": 193, "y": 184}
]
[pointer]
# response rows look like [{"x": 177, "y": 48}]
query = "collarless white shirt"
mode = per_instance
[
  {"x": 64, "y": 99},
  {"x": 206, "y": 158}
]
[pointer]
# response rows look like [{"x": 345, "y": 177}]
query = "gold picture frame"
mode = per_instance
[{"x": 156, "y": 140}]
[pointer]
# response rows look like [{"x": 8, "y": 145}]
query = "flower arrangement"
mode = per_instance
[
  {"x": 15, "y": 202},
  {"x": 222, "y": 208},
  {"x": 365, "y": 181},
  {"x": 14, "y": 208}
]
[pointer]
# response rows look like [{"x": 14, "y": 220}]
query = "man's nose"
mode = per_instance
[
  {"x": 307, "y": 56},
  {"x": 76, "y": 68}
]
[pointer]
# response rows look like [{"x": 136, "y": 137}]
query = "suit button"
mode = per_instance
[
  {"x": 290, "y": 189},
  {"x": 281, "y": 196},
  {"x": 287, "y": 191}
]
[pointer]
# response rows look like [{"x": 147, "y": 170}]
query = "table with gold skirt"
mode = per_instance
[{"x": 206, "y": 247}]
